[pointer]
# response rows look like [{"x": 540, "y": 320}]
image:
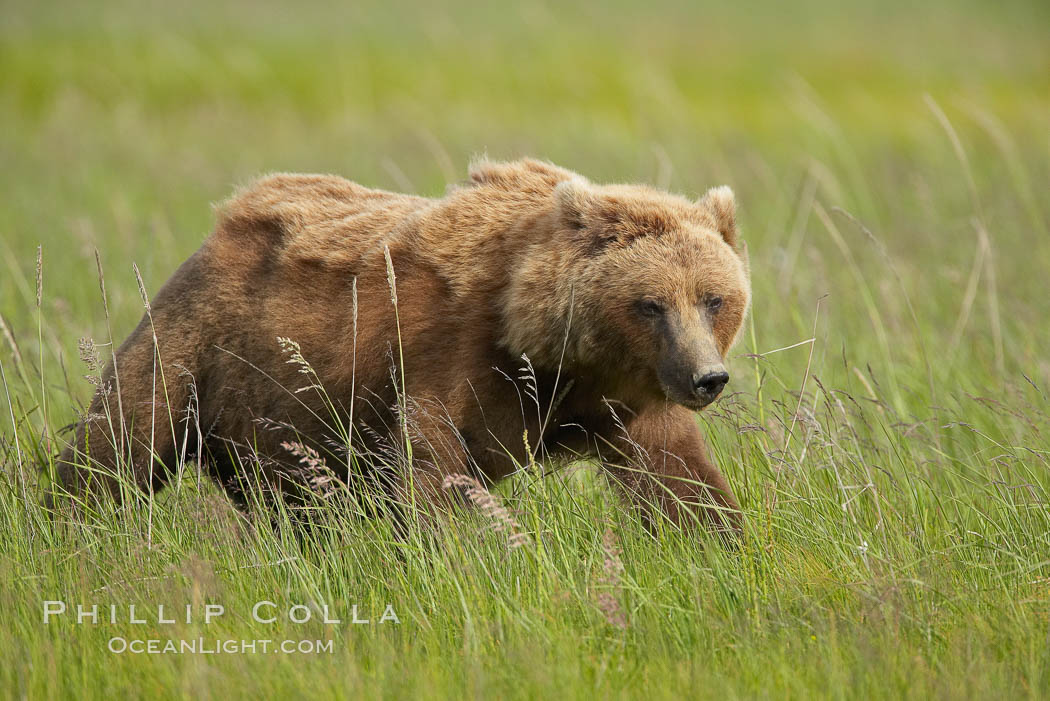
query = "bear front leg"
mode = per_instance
[{"x": 662, "y": 463}]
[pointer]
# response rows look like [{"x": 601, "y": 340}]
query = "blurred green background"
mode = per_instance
[{"x": 891, "y": 162}]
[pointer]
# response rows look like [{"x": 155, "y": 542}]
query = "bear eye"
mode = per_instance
[
  {"x": 651, "y": 307},
  {"x": 713, "y": 303}
]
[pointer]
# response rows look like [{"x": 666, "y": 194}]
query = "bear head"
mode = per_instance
[{"x": 658, "y": 285}]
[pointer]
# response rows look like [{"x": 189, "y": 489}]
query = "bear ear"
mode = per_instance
[
  {"x": 721, "y": 203},
  {"x": 574, "y": 201}
]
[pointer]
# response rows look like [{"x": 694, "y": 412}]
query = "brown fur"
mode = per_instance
[{"x": 525, "y": 258}]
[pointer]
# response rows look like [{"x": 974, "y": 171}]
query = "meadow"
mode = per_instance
[{"x": 887, "y": 428}]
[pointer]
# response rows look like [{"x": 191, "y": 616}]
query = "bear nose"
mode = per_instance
[{"x": 710, "y": 384}]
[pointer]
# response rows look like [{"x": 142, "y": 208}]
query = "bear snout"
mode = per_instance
[{"x": 709, "y": 383}]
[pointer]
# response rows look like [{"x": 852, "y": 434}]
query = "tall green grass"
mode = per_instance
[{"x": 886, "y": 425}]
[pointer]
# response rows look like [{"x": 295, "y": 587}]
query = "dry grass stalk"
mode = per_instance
[
  {"x": 39, "y": 276},
  {"x": 313, "y": 471},
  {"x": 295, "y": 357},
  {"x": 90, "y": 357},
  {"x": 502, "y": 519},
  {"x": 611, "y": 582}
]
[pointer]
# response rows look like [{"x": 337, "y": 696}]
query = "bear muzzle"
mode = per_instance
[
  {"x": 697, "y": 387},
  {"x": 709, "y": 383}
]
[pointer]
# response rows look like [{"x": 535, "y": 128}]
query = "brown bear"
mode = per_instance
[{"x": 526, "y": 315}]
